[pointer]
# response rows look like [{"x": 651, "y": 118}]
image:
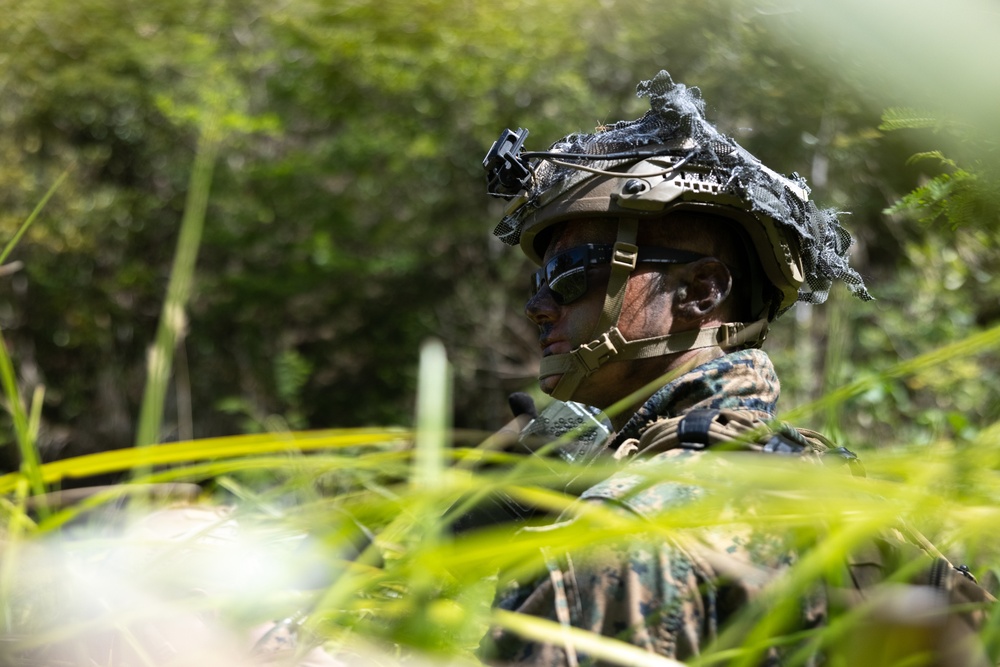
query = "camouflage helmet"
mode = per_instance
[{"x": 672, "y": 159}]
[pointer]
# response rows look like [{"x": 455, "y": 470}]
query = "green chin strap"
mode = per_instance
[
  {"x": 576, "y": 365},
  {"x": 610, "y": 345}
]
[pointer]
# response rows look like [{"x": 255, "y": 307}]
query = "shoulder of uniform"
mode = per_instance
[{"x": 734, "y": 430}]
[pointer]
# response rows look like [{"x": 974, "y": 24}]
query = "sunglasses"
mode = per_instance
[{"x": 566, "y": 273}]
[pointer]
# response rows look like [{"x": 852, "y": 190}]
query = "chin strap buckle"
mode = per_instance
[
  {"x": 594, "y": 354},
  {"x": 738, "y": 334}
]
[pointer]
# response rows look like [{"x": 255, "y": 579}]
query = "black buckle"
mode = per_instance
[
  {"x": 693, "y": 428},
  {"x": 506, "y": 172}
]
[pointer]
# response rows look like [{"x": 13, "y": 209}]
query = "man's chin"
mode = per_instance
[{"x": 548, "y": 384}]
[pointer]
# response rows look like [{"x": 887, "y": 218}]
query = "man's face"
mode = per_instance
[{"x": 646, "y": 312}]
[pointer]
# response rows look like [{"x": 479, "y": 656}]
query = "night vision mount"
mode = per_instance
[{"x": 507, "y": 170}]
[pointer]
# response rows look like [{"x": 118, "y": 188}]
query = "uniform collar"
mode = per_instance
[{"x": 741, "y": 380}]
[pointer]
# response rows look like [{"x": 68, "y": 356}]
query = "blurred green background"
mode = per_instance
[{"x": 348, "y": 222}]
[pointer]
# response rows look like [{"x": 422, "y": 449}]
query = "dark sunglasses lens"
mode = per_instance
[
  {"x": 569, "y": 285},
  {"x": 566, "y": 274}
]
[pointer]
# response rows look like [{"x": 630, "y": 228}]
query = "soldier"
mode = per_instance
[{"x": 665, "y": 250}]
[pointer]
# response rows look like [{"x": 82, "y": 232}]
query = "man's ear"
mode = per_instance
[{"x": 703, "y": 287}]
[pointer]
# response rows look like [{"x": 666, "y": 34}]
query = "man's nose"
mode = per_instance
[{"x": 541, "y": 307}]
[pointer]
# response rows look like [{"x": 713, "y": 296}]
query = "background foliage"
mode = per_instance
[{"x": 347, "y": 220}]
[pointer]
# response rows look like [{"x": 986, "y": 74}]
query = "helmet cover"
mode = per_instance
[{"x": 710, "y": 169}]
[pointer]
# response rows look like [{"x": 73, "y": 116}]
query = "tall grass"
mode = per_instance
[
  {"x": 289, "y": 546},
  {"x": 414, "y": 590},
  {"x": 25, "y": 420},
  {"x": 173, "y": 319}
]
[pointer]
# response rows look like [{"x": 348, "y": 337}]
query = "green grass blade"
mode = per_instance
[
  {"x": 173, "y": 318},
  {"x": 605, "y": 649},
  {"x": 209, "y": 449},
  {"x": 31, "y": 218},
  {"x": 433, "y": 397},
  {"x": 30, "y": 463}
]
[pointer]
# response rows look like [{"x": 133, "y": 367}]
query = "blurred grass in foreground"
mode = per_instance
[{"x": 274, "y": 533}]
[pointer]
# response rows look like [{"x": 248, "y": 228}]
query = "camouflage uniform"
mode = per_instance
[{"x": 663, "y": 597}]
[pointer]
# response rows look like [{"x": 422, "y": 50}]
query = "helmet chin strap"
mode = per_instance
[{"x": 609, "y": 344}]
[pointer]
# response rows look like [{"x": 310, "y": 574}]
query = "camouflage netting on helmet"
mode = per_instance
[{"x": 676, "y": 126}]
